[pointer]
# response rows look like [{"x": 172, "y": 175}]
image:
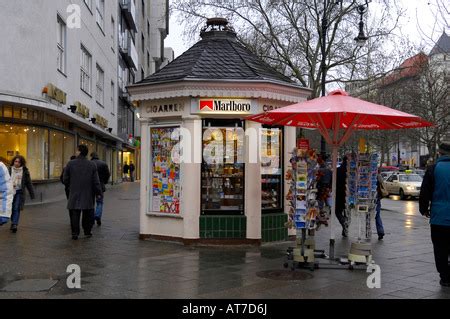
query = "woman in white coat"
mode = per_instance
[{"x": 6, "y": 195}]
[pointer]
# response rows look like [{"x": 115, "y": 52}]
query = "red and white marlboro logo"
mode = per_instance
[
  {"x": 219, "y": 105},
  {"x": 207, "y": 105}
]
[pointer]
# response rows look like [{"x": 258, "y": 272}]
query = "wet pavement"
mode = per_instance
[{"x": 115, "y": 264}]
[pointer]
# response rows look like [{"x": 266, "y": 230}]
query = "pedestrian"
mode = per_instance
[
  {"x": 82, "y": 179},
  {"x": 6, "y": 195},
  {"x": 66, "y": 188},
  {"x": 341, "y": 187},
  {"x": 126, "y": 170},
  {"x": 434, "y": 203},
  {"x": 132, "y": 169},
  {"x": 381, "y": 193},
  {"x": 21, "y": 179},
  {"x": 324, "y": 187},
  {"x": 104, "y": 175}
]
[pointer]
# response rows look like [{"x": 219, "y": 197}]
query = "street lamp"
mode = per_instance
[{"x": 360, "y": 41}]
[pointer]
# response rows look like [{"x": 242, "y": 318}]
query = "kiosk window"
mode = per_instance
[
  {"x": 165, "y": 172},
  {"x": 223, "y": 167},
  {"x": 271, "y": 170}
]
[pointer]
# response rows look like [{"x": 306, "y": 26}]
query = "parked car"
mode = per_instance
[{"x": 404, "y": 185}]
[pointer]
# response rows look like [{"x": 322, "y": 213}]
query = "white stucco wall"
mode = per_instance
[{"x": 28, "y": 30}]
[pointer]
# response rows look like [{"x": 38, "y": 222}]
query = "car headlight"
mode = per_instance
[{"x": 410, "y": 188}]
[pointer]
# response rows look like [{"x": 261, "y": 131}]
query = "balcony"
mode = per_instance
[
  {"x": 128, "y": 50},
  {"x": 129, "y": 12}
]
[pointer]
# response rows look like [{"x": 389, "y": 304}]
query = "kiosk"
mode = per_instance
[{"x": 209, "y": 176}]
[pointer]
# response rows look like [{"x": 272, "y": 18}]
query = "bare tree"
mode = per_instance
[
  {"x": 440, "y": 10},
  {"x": 427, "y": 96},
  {"x": 287, "y": 34}
]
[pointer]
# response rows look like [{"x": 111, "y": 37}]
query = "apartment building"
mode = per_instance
[
  {"x": 65, "y": 67},
  {"x": 143, "y": 27}
]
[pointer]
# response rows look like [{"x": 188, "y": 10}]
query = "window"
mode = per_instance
[
  {"x": 164, "y": 197},
  {"x": 142, "y": 74},
  {"x": 28, "y": 141},
  {"x": 143, "y": 8},
  {"x": 69, "y": 147},
  {"x": 113, "y": 93},
  {"x": 100, "y": 13},
  {"x": 86, "y": 70},
  {"x": 61, "y": 44},
  {"x": 113, "y": 33},
  {"x": 56, "y": 153},
  {"x": 88, "y": 4},
  {"x": 143, "y": 43},
  {"x": 392, "y": 178},
  {"x": 100, "y": 85},
  {"x": 148, "y": 61},
  {"x": 148, "y": 29}
]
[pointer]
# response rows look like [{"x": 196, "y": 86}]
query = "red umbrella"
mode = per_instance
[{"x": 336, "y": 116}]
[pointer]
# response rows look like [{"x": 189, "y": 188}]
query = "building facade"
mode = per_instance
[
  {"x": 62, "y": 84},
  {"x": 143, "y": 27}
]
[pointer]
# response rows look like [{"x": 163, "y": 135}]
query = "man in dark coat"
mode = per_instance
[
  {"x": 81, "y": 177},
  {"x": 341, "y": 187},
  {"x": 126, "y": 170},
  {"x": 104, "y": 175},
  {"x": 66, "y": 189},
  {"x": 434, "y": 203},
  {"x": 132, "y": 169}
]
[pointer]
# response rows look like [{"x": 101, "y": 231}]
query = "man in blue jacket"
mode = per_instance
[{"x": 436, "y": 190}]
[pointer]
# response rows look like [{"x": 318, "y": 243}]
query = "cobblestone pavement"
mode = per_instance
[{"x": 115, "y": 264}]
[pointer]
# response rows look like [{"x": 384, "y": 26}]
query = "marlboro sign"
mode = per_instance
[{"x": 224, "y": 106}]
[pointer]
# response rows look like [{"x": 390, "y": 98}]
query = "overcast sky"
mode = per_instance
[{"x": 422, "y": 8}]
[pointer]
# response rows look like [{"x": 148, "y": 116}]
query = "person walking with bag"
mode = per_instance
[
  {"x": 104, "y": 175},
  {"x": 81, "y": 177},
  {"x": 21, "y": 179},
  {"x": 434, "y": 203},
  {"x": 6, "y": 195}
]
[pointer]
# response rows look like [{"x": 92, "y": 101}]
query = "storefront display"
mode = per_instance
[
  {"x": 304, "y": 212},
  {"x": 223, "y": 170},
  {"x": 271, "y": 170},
  {"x": 165, "y": 171},
  {"x": 362, "y": 190},
  {"x": 302, "y": 195}
]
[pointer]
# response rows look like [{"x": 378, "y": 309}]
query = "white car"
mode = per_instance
[{"x": 404, "y": 185}]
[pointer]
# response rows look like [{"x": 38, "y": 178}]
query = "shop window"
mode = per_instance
[
  {"x": 56, "y": 154},
  {"x": 30, "y": 142},
  {"x": 165, "y": 172},
  {"x": 101, "y": 151},
  {"x": 271, "y": 170},
  {"x": 7, "y": 111},
  {"x": 16, "y": 113},
  {"x": 24, "y": 113},
  {"x": 69, "y": 147},
  {"x": 223, "y": 167}
]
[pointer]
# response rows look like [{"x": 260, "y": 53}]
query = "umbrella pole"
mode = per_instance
[{"x": 333, "y": 207}]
